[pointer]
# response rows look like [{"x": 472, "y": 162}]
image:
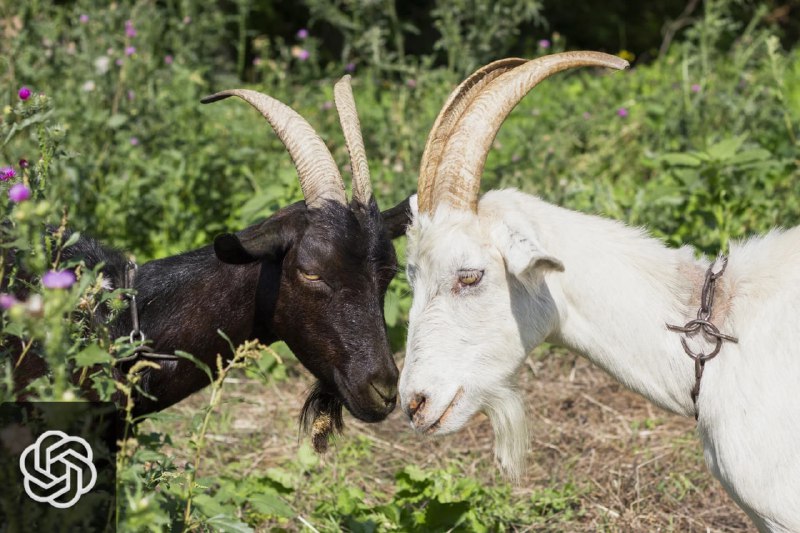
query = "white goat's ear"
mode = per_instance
[{"x": 522, "y": 252}]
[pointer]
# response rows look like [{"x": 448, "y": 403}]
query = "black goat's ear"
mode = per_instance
[
  {"x": 269, "y": 239},
  {"x": 397, "y": 219}
]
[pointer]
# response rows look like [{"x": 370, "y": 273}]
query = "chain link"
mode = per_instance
[
  {"x": 703, "y": 323},
  {"x": 137, "y": 334}
]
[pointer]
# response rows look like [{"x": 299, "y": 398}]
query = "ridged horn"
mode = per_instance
[
  {"x": 458, "y": 176},
  {"x": 452, "y": 110},
  {"x": 351, "y": 126},
  {"x": 319, "y": 177}
]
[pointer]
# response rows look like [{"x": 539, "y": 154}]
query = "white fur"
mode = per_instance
[{"x": 617, "y": 291}]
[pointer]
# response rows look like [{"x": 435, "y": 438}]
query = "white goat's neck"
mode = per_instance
[{"x": 618, "y": 291}]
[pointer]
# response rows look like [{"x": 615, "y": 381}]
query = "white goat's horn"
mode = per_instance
[
  {"x": 458, "y": 176},
  {"x": 319, "y": 177},
  {"x": 348, "y": 118},
  {"x": 448, "y": 117}
]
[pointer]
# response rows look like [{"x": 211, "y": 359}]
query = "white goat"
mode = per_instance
[{"x": 493, "y": 280}]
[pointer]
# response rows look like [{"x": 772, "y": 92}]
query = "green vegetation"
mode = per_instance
[{"x": 700, "y": 146}]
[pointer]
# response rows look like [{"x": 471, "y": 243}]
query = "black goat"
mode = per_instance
[{"x": 313, "y": 275}]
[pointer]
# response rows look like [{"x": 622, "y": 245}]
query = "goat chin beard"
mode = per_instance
[{"x": 506, "y": 411}]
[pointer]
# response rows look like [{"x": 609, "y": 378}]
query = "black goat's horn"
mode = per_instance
[
  {"x": 348, "y": 117},
  {"x": 319, "y": 177}
]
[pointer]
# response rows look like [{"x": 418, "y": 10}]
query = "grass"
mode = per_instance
[{"x": 601, "y": 459}]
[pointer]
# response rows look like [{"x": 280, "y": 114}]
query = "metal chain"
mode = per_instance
[
  {"x": 703, "y": 323},
  {"x": 142, "y": 350}
]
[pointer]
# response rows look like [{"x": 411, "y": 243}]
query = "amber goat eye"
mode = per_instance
[
  {"x": 309, "y": 277},
  {"x": 469, "y": 277}
]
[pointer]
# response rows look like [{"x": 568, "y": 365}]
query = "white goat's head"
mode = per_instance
[{"x": 476, "y": 272}]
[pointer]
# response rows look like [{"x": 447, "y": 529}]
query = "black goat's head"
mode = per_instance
[{"x": 326, "y": 266}]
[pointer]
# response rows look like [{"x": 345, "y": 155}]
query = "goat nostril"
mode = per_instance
[
  {"x": 387, "y": 393},
  {"x": 416, "y": 403}
]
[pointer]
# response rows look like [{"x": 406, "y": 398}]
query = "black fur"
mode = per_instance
[{"x": 250, "y": 285}]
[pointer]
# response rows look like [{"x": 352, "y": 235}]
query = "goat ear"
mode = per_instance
[
  {"x": 269, "y": 239},
  {"x": 523, "y": 253},
  {"x": 397, "y": 219}
]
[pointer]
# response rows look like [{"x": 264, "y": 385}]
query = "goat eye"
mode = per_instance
[
  {"x": 469, "y": 277},
  {"x": 309, "y": 277}
]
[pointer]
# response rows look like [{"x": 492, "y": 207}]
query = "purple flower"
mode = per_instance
[
  {"x": 84, "y": 18},
  {"x": 7, "y": 173},
  {"x": 58, "y": 279},
  {"x": 119, "y": 62},
  {"x": 23, "y": 163},
  {"x": 24, "y": 93},
  {"x": 7, "y": 301},
  {"x": 168, "y": 59},
  {"x": 695, "y": 87},
  {"x": 130, "y": 31},
  {"x": 544, "y": 44},
  {"x": 303, "y": 55},
  {"x": 350, "y": 67},
  {"x": 302, "y": 34},
  {"x": 131, "y": 94},
  {"x": 326, "y": 105},
  {"x": 134, "y": 141},
  {"x": 130, "y": 50},
  {"x": 622, "y": 112},
  {"x": 19, "y": 193}
]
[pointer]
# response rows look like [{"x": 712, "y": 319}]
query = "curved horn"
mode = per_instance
[
  {"x": 319, "y": 177},
  {"x": 451, "y": 112},
  {"x": 458, "y": 176},
  {"x": 348, "y": 118}
]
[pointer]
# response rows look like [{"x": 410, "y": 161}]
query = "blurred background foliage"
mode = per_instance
[{"x": 698, "y": 141}]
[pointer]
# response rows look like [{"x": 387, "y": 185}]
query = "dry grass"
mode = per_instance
[{"x": 636, "y": 467}]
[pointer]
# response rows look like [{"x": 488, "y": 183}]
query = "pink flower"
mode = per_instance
[
  {"x": 7, "y": 301},
  {"x": 168, "y": 59},
  {"x": 119, "y": 62},
  {"x": 58, "y": 279},
  {"x": 411, "y": 83},
  {"x": 622, "y": 112},
  {"x": 24, "y": 93},
  {"x": 544, "y": 44},
  {"x": 23, "y": 163},
  {"x": 130, "y": 31},
  {"x": 134, "y": 141},
  {"x": 695, "y": 87},
  {"x": 130, "y": 50},
  {"x": 7, "y": 173},
  {"x": 302, "y": 34},
  {"x": 187, "y": 20},
  {"x": 84, "y": 18},
  {"x": 303, "y": 55},
  {"x": 326, "y": 105},
  {"x": 19, "y": 193},
  {"x": 131, "y": 94}
]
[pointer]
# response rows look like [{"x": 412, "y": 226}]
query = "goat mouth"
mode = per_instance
[{"x": 433, "y": 428}]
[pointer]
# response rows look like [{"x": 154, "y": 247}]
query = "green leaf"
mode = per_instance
[
  {"x": 681, "y": 159},
  {"x": 270, "y": 504},
  {"x": 92, "y": 355},
  {"x": 726, "y": 148},
  {"x": 115, "y": 121},
  {"x": 72, "y": 239},
  {"x": 222, "y": 522}
]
